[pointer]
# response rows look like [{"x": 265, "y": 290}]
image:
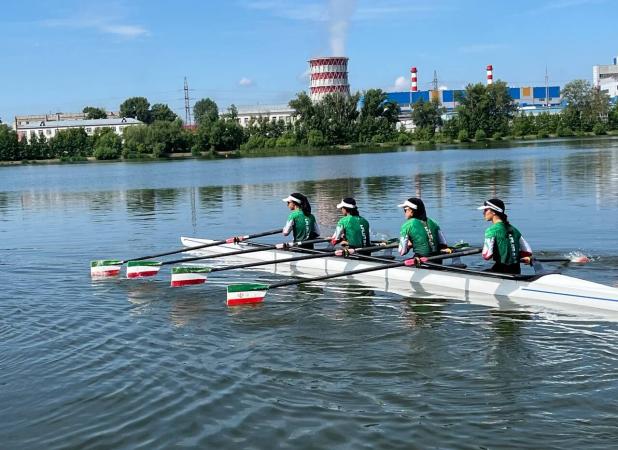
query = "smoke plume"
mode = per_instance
[{"x": 341, "y": 12}]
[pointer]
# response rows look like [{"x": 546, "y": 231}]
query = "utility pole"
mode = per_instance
[{"x": 187, "y": 104}]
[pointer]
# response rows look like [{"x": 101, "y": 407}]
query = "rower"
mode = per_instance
[
  {"x": 503, "y": 242},
  {"x": 352, "y": 229},
  {"x": 301, "y": 223},
  {"x": 419, "y": 232}
]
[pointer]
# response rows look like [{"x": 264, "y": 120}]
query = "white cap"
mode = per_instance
[
  {"x": 289, "y": 198},
  {"x": 345, "y": 204},
  {"x": 490, "y": 205},
  {"x": 407, "y": 204}
]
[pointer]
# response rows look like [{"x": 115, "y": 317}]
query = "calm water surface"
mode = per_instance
[{"x": 135, "y": 364}]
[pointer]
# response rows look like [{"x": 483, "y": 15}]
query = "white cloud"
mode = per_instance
[
  {"x": 246, "y": 82},
  {"x": 401, "y": 84},
  {"x": 101, "y": 23}
]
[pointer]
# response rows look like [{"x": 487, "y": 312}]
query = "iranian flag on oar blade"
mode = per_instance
[
  {"x": 186, "y": 275},
  {"x": 105, "y": 268},
  {"x": 139, "y": 269},
  {"x": 247, "y": 293}
]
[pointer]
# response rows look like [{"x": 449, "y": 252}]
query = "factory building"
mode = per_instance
[
  {"x": 273, "y": 113},
  {"x": 605, "y": 78},
  {"x": 49, "y": 129}
]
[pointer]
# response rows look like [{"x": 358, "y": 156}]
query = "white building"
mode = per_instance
[
  {"x": 49, "y": 129},
  {"x": 274, "y": 113},
  {"x": 605, "y": 78}
]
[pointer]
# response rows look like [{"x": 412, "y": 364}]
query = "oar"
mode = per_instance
[
  {"x": 247, "y": 293},
  {"x": 141, "y": 269},
  {"x": 191, "y": 275},
  {"x": 580, "y": 259},
  {"x": 111, "y": 267}
]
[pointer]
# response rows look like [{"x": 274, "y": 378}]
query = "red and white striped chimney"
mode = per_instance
[
  {"x": 413, "y": 80},
  {"x": 490, "y": 74}
]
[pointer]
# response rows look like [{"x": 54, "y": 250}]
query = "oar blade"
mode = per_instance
[
  {"x": 189, "y": 275},
  {"x": 105, "y": 268},
  {"x": 580, "y": 259},
  {"x": 246, "y": 294},
  {"x": 142, "y": 269}
]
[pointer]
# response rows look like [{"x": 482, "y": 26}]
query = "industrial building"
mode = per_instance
[
  {"x": 530, "y": 100},
  {"x": 605, "y": 78},
  {"x": 50, "y": 128},
  {"x": 38, "y": 118},
  {"x": 272, "y": 112}
]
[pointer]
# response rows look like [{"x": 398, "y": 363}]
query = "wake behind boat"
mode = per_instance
[{"x": 554, "y": 291}]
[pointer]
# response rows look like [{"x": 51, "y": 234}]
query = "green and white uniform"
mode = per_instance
[
  {"x": 425, "y": 238},
  {"x": 354, "y": 229},
  {"x": 505, "y": 245},
  {"x": 302, "y": 227}
]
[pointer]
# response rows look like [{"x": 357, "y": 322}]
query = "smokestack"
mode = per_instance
[
  {"x": 490, "y": 74},
  {"x": 413, "y": 80}
]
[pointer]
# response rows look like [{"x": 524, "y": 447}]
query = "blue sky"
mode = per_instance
[{"x": 66, "y": 54}]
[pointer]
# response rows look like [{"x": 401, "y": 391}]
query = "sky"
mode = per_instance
[{"x": 64, "y": 55}]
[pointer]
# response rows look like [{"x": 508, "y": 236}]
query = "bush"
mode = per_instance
[
  {"x": 543, "y": 134},
  {"x": 564, "y": 131},
  {"x": 108, "y": 146},
  {"x": 315, "y": 138},
  {"x": 599, "y": 129},
  {"x": 497, "y": 136},
  {"x": 463, "y": 136},
  {"x": 102, "y": 153},
  {"x": 404, "y": 138},
  {"x": 480, "y": 135}
]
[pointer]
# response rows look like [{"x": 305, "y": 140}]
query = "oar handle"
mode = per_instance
[
  {"x": 210, "y": 244},
  {"x": 407, "y": 262}
]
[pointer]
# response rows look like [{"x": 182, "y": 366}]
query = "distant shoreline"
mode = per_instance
[{"x": 306, "y": 151}]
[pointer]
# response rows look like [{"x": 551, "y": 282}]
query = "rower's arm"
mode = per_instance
[
  {"x": 525, "y": 251},
  {"x": 289, "y": 226},
  {"x": 488, "y": 248},
  {"x": 338, "y": 234},
  {"x": 316, "y": 228},
  {"x": 404, "y": 245},
  {"x": 441, "y": 240}
]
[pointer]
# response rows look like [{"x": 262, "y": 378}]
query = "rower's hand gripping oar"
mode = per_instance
[
  {"x": 247, "y": 293},
  {"x": 141, "y": 269},
  {"x": 191, "y": 275},
  {"x": 111, "y": 267}
]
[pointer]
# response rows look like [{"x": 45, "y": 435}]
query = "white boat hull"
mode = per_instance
[{"x": 558, "y": 292}]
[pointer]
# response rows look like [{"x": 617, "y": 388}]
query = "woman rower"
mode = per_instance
[
  {"x": 419, "y": 232},
  {"x": 503, "y": 242},
  {"x": 352, "y": 229},
  {"x": 301, "y": 223}
]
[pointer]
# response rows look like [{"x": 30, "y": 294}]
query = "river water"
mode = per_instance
[{"x": 126, "y": 364}]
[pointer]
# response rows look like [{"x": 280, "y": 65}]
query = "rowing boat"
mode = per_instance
[{"x": 551, "y": 290}]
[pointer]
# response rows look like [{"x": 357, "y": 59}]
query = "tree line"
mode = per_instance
[{"x": 482, "y": 112}]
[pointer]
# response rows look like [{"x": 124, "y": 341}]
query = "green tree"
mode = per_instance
[
  {"x": 377, "y": 117},
  {"x": 94, "y": 113},
  {"x": 9, "y": 145},
  {"x": 71, "y": 143},
  {"x": 489, "y": 108},
  {"x": 586, "y": 105},
  {"x": 205, "y": 111},
  {"x": 226, "y": 135},
  {"x": 135, "y": 141},
  {"x": 137, "y": 108},
  {"x": 427, "y": 116},
  {"x": 162, "y": 112},
  {"x": 108, "y": 145}
]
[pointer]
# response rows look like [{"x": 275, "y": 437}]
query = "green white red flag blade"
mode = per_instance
[
  {"x": 104, "y": 268},
  {"x": 245, "y": 293},
  {"x": 189, "y": 275},
  {"x": 141, "y": 269}
]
